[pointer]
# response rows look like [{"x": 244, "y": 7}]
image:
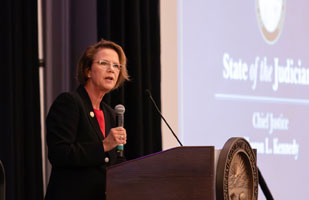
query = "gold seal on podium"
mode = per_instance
[{"x": 237, "y": 172}]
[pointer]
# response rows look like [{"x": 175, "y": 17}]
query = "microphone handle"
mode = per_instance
[
  {"x": 158, "y": 110},
  {"x": 120, "y": 120},
  {"x": 120, "y": 147}
]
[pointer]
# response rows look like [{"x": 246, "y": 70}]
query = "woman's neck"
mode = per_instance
[{"x": 95, "y": 95}]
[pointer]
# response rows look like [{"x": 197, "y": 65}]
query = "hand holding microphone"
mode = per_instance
[{"x": 117, "y": 137}]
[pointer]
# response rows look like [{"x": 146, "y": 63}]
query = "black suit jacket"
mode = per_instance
[{"x": 75, "y": 148}]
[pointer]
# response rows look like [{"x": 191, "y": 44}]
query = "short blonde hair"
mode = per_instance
[{"x": 85, "y": 62}]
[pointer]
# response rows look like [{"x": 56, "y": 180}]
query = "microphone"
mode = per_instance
[
  {"x": 119, "y": 109},
  {"x": 154, "y": 103}
]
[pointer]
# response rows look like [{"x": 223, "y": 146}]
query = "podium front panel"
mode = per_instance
[{"x": 178, "y": 173}]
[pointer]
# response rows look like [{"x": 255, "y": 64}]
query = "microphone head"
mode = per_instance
[
  {"x": 120, "y": 109},
  {"x": 148, "y": 93}
]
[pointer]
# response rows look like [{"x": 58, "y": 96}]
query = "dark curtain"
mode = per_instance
[
  {"x": 20, "y": 140},
  {"x": 135, "y": 25}
]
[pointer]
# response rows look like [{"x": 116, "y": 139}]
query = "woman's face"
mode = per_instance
[{"x": 105, "y": 70}]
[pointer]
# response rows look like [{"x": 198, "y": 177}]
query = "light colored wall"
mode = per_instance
[{"x": 169, "y": 76}]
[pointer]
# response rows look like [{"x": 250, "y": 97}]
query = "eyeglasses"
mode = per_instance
[{"x": 106, "y": 64}]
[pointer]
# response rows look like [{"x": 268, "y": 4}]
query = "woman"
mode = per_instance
[{"x": 81, "y": 128}]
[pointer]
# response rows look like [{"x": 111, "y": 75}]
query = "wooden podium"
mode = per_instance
[{"x": 180, "y": 173}]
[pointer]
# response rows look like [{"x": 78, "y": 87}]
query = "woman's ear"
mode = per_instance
[{"x": 88, "y": 72}]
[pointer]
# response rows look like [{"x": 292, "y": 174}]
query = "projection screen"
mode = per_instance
[{"x": 244, "y": 72}]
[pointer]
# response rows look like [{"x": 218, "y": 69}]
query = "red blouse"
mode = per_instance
[{"x": 100, "y": 117}]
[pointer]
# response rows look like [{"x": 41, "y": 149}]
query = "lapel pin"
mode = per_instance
[{"x": 91, "y": 114}]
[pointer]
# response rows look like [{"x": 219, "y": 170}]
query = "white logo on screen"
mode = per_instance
[
  {"x": 270, "y": 14},
  {"x": 271, "y": 11}
]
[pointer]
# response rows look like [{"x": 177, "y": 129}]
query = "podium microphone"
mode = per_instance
[
  {"x": 119, "y": 109},
  {"x": 155, "y": 105}
]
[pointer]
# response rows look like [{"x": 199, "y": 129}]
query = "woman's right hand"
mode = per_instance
[{"x": 115, "y": 137}]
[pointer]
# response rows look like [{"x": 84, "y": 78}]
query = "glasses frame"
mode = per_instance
[{"x": 105, "y": 64}]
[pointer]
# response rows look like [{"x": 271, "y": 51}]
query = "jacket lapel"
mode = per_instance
[
  {"x": 106, "y": 119},
  {"x": 89, "y": 111}
]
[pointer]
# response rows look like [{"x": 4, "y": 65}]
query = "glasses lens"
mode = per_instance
[
  {"x": 106, "y": 64},
  {"x": 117, "y": 66}
]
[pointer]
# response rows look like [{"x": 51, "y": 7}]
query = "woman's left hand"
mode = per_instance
[{"x": 115, "y": 137}]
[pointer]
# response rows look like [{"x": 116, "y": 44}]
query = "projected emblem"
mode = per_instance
[
  {"x": 270, "y": 15},
  {"x": 237, "y": 173}
]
